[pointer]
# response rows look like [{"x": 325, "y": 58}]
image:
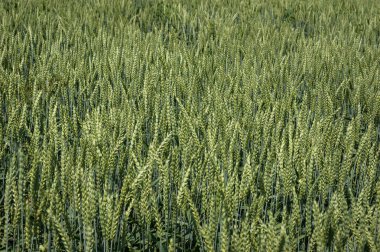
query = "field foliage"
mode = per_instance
[{"x": 178, "y": 125}]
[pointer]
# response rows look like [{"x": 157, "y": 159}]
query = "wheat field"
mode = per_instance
[{"x": 177, "y": 125}]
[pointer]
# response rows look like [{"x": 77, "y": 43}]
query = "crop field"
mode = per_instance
[{"x": 189, "y": 125}]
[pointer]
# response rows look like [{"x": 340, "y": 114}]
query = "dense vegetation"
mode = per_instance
[{"x": 177, "y": 125}]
